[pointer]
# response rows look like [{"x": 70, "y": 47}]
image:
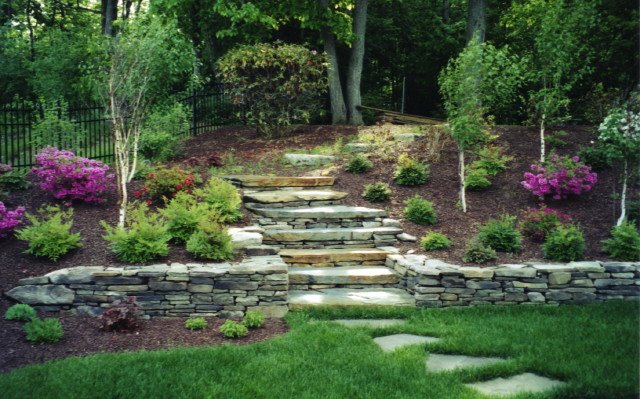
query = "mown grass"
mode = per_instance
[{"x": 594, "y": 348}]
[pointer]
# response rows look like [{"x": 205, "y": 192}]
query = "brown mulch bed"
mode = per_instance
[{"x": 82, "y": 336}]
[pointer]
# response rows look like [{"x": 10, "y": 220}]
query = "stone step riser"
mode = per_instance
[
  {"x": 336, "y": 264},
  {"x": 339, "y": 212},
  {"x": 271, "y": 182},
  {"x": 305, "y": 287},
  {"x": 294, "y": 204},
  {"x": 335, "y": 258},
  {"x": 350, "y": 297},
  {"x": 279, "y": 224}
]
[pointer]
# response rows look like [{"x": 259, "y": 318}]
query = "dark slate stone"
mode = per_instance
[
  {"x": 236, "y": 285},
  {"x": 118, "y": 280},
  {"x": 167, "y": 286}
]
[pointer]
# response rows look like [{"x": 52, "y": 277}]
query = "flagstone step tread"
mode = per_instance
[
  {"x": 333, "y": 234},
  {"x": 390, "y": 343},
  {"x": 370, "y": 323},
  {"x": 343, "y": 275},
  {"x": 351, "y": 297},
  {"x": 284, "y": 196},
  {"x": 321, "y": 212},
  {"x": 437, "y": 362},
  {"x": 280, "y": 181},
  {"x": 329, "y": 256},
  {"x": 520, "y": 383}
]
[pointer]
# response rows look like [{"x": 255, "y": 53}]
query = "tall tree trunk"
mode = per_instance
[
  {"x": 356, "y": 58},
  {"x": 32, "y": 47},
  {"x": 109, "y": 14},
  {"x": 623, "y": 197},
  {"x": 463, "y": 186},
  {"x": 542, "y": 140},
  {"x": 476, "y": 20},
  {"x": 446, "y": 11},
  {"x": 336, "y": 95}
]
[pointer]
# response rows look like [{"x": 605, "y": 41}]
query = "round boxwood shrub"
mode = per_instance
[
  {"x": 624, "y": 243},
  {"x": 433, "y": 241},
  {"x": 359, "y": 164},
  {"x": 564, "y": 244},
  {"x": 410, "y": 172},
  {"x": 21, "y": 312},
  {"x": 501, "y": 234},
  {"x": 43, "y": 330},
  {"x": 420, "y": 211},
  {"x": 377, "y": 192},
  {"x": 477, "y": 252}
]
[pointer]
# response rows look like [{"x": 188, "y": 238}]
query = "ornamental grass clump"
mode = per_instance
[
  {"x": 501, "y": 234},
  {"x": 70, "y": 177},
  {"x": 537, "y": 223},
  {"x": 21, "y": 312},
  {"x": 49, "y": 236},
  {"x": 559, "y": 177},
  {"x": 433, "y": 241},
  {"x": 9, "y": 220},
  {"x": 410, "y": 171},
  {"x": 377, "y": 192},
  {"x": 143, "y": 239},
  {"x": 40, "y": 331},
  {"x": 624, "y": 243},
  {"x": 564, "y": 244},
  {"x": 420, "y": 211}
]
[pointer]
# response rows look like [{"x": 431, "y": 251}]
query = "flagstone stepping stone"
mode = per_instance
[
  {"x": 359, "y": 275},
  {"x": 439, "y": 362},
  {"x": 331, "y": 256},
  {"x": 526, "y": 382},
  {"x": 351, "y": 297},
  {"x": 279, "y": 181},
  {"x": 372, "y": 323},
  {"x": 282, "y": 196},
  {"x": 395, "y": 341},
  {"x": 333, "y": 234},
  {"x": 321, "y": 212},
  {"x": 309, "y": 159},
  {"x": 358, "y": 147}
]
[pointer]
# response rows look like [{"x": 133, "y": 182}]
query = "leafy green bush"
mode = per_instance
[
  {"x": 233, "y": 329},
  {"x": 596, "y": 156},
  {"x": 624, "y": 243},
  {"x": 223, "y": 197},
  {"x": 359, "y": 164},
  {"x": 21, "y": 312},
  {"x": 183, "y": 214},
  {"x": 477, "y": 179},
  {"x": 253, "y": 319},
  {"x": 144, "y": 238},
  {"x": 564, "y": 244},
  {"x": 50, "y": 235},
  {"x": 164, "y": 182},
  {"x": 197, "y": 323},
  {"x": 56, "y": 127},
  {"x": 14, "y": 180},
  {"x": 377, "y": 192},
  {"x": 419, "y": 210},
  {"x": 410, "y": 172},
  {"x": 43, "y": 330},
  {"x": 160, "y": 139},
  {"x": 433, "y": 241},
  {"x": 276, "y": 84},
  {"x": 477, "y": 252},
  {"x": 492, "y": 160},
  {"x": 211, "y": 241},
  {"x": 501, "y": 234}
]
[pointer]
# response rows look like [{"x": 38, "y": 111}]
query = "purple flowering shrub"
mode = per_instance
[
  {"x": 71, "y": 177},
  {"x": 9, "y": 220},
  {"x": 537, "y": 223},
  {"x": 559, "y": 177}
]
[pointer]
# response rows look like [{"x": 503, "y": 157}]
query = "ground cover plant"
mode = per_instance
[
  {"x": 433, "y": 241},
  {"x": 49, "y": 234},
  {"x": 587, "y": 342}
]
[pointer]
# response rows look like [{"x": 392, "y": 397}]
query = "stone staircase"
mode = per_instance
[{"x": 336, "y": 253}]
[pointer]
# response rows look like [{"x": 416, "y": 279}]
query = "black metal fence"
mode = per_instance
[{"x": 208, "y": 110}]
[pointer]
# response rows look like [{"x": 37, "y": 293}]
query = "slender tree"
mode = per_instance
[
  {"x": 354, "y": 71},
  {"x": 476, "y": 20}
]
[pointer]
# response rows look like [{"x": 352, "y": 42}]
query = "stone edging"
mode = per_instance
[
  {"x": 435, "y": 283},
  {"x": 218, "y": 289}
]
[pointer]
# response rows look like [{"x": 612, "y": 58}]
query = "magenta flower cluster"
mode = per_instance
[
  {"x": 9, "y": 219},
  {"x": 71, "y": 177},
  {"x": 559, "y": 177}
]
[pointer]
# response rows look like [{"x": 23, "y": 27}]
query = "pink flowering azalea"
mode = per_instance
[
  {"x": 559, "y": 177},
  {"x": 71, "y": 177},
  {"x": 9, "y": 220}
]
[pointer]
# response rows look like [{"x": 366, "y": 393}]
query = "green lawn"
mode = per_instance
[{"x": 594, "y": 348}]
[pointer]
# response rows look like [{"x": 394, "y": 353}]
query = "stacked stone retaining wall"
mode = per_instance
[{"x": 435, "y": 283}]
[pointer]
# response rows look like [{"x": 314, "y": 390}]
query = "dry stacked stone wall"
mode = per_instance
[
  {"x": 435, "y": 283},
  {"x": 218, "y": 289}
]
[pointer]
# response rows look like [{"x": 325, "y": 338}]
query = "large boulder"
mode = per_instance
[{"x": 42, "y": 294}]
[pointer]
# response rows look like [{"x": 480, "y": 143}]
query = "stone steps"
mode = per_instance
[
  {"x": 284, "y": 197},
  {"x": 334, "y": 257},
  {"x": 279, "y": 181},
  {"x": 322, "y": 212},
  {"x": 342, "y": 276},
  {"x": 362, "y": 237},
  {"x": 350, "y": 297}
]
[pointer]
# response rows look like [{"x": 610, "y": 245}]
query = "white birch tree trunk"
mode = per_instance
[
  {"x": 463, "y": 190},
  {"x": 623, "y": 198},
  {"x": 542, "y": 143}
]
